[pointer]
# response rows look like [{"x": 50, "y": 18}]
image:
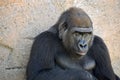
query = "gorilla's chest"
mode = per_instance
[{"x": 85, "y": 62}]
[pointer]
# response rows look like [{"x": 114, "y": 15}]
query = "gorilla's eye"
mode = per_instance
[
  {"x": 76, "y": 33},
  {"x": 89, "y": 32}
]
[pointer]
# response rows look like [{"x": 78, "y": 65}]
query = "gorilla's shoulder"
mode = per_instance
[
  {"x": 46, "y": 38},
  {"x": 98, "y": 44},
  {"x": 46, "y": 34},
  {"x": 98, "y": 40}
]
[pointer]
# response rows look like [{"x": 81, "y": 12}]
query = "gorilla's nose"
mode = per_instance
[{"x": 83, "y": 45}]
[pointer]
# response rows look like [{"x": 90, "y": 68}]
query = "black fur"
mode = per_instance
[
  {"x": 42, "y": 66},
  {"x": 99, "y": 52}
]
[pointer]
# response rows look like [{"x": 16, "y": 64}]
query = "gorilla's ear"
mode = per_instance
[{"x": 62, "y": 28}]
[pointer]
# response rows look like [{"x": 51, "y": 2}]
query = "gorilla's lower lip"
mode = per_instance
[{"x": 81, "y": 53}]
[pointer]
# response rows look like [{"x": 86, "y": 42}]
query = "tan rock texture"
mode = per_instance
[{"x": 22, "y": 20}]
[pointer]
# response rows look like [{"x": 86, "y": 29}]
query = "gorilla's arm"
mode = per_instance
[
  {"x": 41, "y": 65},
  {"x": 99, "y": 51}
]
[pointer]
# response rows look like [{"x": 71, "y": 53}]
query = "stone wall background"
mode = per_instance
[{"x": 22, "y": 20}]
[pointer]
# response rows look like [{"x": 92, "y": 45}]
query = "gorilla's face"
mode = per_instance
[
  {"x": 76, "y": 32},
  {"x": 77, "y": 40}
]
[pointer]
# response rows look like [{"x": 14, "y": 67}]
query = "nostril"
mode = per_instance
[{"x": 83, "y": 46}]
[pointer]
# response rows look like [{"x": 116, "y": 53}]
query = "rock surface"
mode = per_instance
[{"x": 22, "y": 20}]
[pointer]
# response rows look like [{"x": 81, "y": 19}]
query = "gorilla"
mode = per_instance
[{"x": 70, "y": 51}]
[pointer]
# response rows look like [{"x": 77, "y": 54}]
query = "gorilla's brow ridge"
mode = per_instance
[{"x": 90, "y": 29}]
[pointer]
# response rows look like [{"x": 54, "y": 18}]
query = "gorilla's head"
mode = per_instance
[{"x": 76, "y": 31}]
